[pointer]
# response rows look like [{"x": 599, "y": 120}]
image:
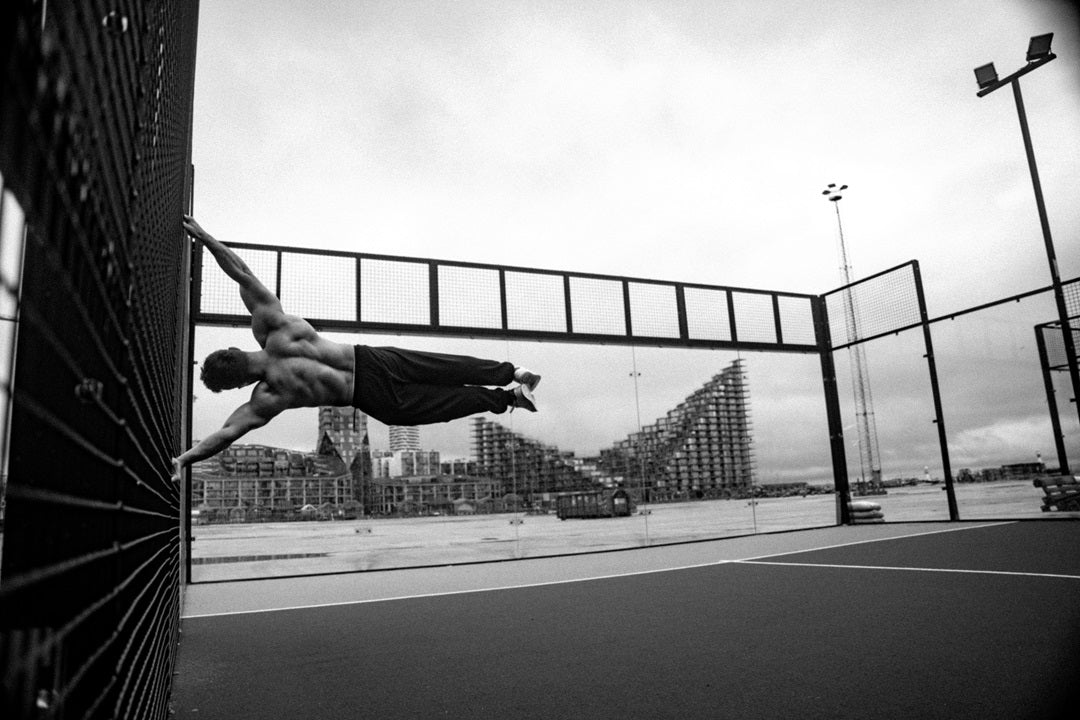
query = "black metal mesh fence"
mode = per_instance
[
  {"x": 354, "y": 292},
  {"x": 874, "y": 306},
  {"x": 1056, "y": 357},
  {"x": 1071, "y": 291},
  {"x": 94, "y": 149}
]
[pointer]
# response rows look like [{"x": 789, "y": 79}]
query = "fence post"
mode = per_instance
[
  {"x": 832, "y": 410},
  {"x": 939, "y": 419},
  {"x": 1051, "y": 401}
]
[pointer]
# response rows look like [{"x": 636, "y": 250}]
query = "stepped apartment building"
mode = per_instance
[
  {"x": 523, "y": 467},
  {"x": 702, "y": 448}
]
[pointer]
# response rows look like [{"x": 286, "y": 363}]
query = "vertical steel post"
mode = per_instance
[
  {"x": 1051, "y": 401},
  {"x": 359, "y": 292},
  {"x": 832, "y": 410},
  {"x": 194, "y": 307},
  {"x": 1051, "y": 255},
  {"x": 568, "y": 303},
  {"x": 433, "y": 294},
  {"x": 939, "y": 417}
]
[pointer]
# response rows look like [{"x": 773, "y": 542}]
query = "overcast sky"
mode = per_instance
[{"x": 685, "y": 141}]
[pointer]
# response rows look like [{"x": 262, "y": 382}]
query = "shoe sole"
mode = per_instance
[{"x": 528, "y": 397}]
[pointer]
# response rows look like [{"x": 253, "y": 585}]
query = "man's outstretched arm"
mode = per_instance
[
  {"x": 264, "y": 306},
  {"x": 253, "y": 414}
]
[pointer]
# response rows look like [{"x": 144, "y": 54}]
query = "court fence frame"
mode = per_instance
[{"x": 384, "y": 294}]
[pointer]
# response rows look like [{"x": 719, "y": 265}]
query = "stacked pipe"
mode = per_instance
[{"x": 865, "y": 512}]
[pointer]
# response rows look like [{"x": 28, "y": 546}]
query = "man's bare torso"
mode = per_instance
[{"x": 304, "y": 369}]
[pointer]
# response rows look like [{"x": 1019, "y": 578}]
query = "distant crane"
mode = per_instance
[{"x": 869, "y": 451}]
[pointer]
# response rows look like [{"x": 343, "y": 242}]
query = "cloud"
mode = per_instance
[{"x": 1003, "y": 442}]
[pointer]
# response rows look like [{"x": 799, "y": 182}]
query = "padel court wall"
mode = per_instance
[{"x": 95, "y": 126}]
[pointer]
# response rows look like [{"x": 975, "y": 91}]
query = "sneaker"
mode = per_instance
[
  {"x": 524, "y": 399},
  {"x": 526, "y": 378}
]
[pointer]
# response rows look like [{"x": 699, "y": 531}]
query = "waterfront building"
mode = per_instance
[
  {"x": 342, "y": 430},
  {"x": 702, "y": 448},
  {"x": 247, "y": 483},
  {"x": 436, "y": 495},
  {"x": 405, "y": 463},
  {"x": 525, "y": 468},
  {"x": 404, "y": 437}
]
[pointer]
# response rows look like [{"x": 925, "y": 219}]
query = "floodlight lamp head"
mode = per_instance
[
  {"x": 833, "y": 192},
  {"x": 986, "y": 75},
  {"x": 1039, "y": 47}
]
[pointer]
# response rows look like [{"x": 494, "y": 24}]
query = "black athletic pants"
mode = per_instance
[{"x": 410, "y": 387}]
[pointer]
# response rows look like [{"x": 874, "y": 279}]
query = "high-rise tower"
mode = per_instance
[
  {"x": 404, "y": 438},
  {"x": 344, "y": 429}
]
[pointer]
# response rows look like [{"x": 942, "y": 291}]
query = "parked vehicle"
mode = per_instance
[{"x": 603, "y": 503}]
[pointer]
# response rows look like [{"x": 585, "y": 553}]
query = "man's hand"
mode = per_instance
[
  {"x": 194, "y": 229},
  {"x": 178, "y": 470}
]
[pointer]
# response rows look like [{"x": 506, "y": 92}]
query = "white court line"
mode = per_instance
[
  {"x": 749, "y": 560},
  {"x": 444, "y": 593},
  {"x": 909, "y": 569},
  {"x": 881, "y": 539}
]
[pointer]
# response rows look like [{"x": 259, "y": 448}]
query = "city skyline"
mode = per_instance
[{"x": 345, "y": 428}]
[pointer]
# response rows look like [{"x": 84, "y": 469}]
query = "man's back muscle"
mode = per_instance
[{"x": 305, "y": 369}]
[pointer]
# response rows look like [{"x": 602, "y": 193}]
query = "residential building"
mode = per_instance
[
  {"x": 458, "y": 466},
  {"x": 405, "y": 463},
  {"x": 404, "y": 437},
  {"x": 701, "y": 448},
  {"x": 437, "y": 495},
  {"x": 342, "y": 430},
  {"x": 245, "y": 483},
  {"x": 524, "y": 468}
]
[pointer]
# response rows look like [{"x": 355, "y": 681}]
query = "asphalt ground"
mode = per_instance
[{"x": 966, "y": 621}]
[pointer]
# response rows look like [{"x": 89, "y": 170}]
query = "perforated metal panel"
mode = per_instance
[
  {"x": 94, "y": 148},
  {"x": 878, "y": 305}
]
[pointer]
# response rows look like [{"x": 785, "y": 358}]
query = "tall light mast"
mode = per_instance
[{"x": 869, "y": 452}]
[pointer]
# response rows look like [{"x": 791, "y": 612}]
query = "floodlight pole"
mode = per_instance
[{"x": 1051, "y": 255}]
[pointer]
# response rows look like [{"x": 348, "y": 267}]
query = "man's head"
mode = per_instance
[{"x": 226, "y": 369}]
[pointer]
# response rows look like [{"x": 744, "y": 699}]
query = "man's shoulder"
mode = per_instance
[{"x": 289, "y": 329}]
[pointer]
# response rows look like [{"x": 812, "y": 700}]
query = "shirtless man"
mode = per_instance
[{"x": 297, "y": 367}]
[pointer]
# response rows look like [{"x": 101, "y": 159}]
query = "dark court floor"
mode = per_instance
[{"x": 963, "y": 620}]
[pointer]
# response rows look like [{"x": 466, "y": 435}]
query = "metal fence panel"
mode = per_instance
[
  {"x": 94, "y": 149},
  {"x": 354, "y": 292}
]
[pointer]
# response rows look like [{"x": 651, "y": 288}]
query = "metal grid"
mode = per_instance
[
  {"x": 755, "y": 320},
  {"x": 654, "y": 309},
  {"x": 878, "y": 305},
  {"x": 1071, "y": 291},
  {"x": 796, "y": 319},
  {"x": 94, "y": 135},
  {"x": 597, "y": 305},
  {"x": 1056, "y": 357},
  {"x": 317, "y": 286},
  {"x": 469, "y": 297},
  {"x": 707, "y": 314},
  {"x": 433, "y": 297},
  {"x": 535, "y": 301},
  {"x": 394, "y": 292},
  {"x": 220, "y": 295}
]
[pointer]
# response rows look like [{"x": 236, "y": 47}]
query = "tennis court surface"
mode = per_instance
[{"x": 960, "y": 620}]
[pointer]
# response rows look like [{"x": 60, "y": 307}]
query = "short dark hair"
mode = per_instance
[{"x": 225, "y": 370}]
